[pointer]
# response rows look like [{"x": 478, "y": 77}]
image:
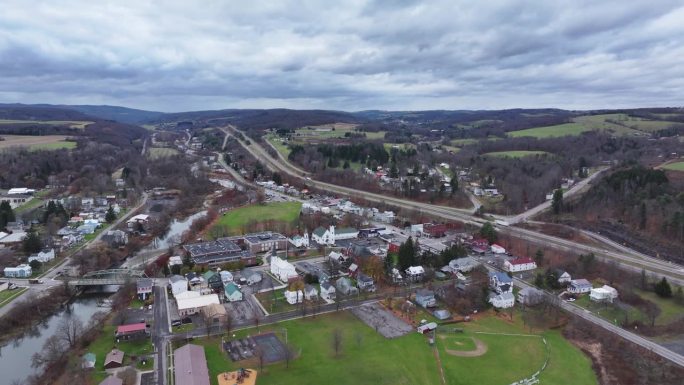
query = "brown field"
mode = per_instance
[{"x": 46, "y": 142}]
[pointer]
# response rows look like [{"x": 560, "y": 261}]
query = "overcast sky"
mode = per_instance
[{"x": 347, "y": 55}]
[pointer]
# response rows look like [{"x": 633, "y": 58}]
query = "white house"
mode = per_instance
[
  {"x": 520, "y": 264},
  {"x": 21, "y": 271},
  {"x": 327, "y": 291},
  {"x": 337, "y": 257},
  {"x": 530, "y": 296},
  {"x": 603, "y": 294},
  {"x": 226, "y": 276},
  {"x": 503, "y": 300},
  {"x": 282, "y": 269},
  {"x": 300, "y": 241},
  {"x": 563, "y": 276},
  {"x": 497, "y": 249},
  {"x": 579, "y": 286},
  {"x": 178, "y": 284},
  {"x": 293, "y": 297},
  {"x": 190, "y": 306},
  {"x": 232, "y": 293},
  {"x": 328, "y": 237},
  {"x": 43, "y": 256},
  {"x": 415, "y": 272}
]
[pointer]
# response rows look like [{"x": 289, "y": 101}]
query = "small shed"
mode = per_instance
[
  {"x": 88, "y": 361},
  {"x": 114, "y": 359}
]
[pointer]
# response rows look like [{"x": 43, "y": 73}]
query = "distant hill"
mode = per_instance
[
  {"x": 120, "y": 114},
  {"x": 40, "y": 112}
]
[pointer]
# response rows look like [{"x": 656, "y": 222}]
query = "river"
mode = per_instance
[
  {"x": 15, "y": 356},
  {"x": 176, "y": 229}
]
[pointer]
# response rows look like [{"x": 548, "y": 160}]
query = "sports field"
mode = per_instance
[
  {"x": 234, "y": 220},
  {"x": 367, "y": 357},
  {"x": 677, "y": 166},
  {"x": 516, "y": 154},
  {"x": 34, "y": 143}
]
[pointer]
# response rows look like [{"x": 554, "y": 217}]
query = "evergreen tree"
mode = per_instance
[
  {"x": 277, "y": 179},
  {"x": 32, "y": 243},
  {"x": 557, "y": 201},
  {"x": 35, "y": 265},
  {"x": 111, "y": 215},
  {"x": 539, "y": 257},
  {"x": 663, "y": 289},
  {"x": 6, "y": 214},
  {"x": 539, "y": 281},
  {"x": 488, "y": 232},
  {"x": 346, "y": 165},
  {"x": 407, "y": 254}
]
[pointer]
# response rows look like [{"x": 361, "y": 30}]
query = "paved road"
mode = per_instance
[
  {"x": 161, "y": 332},
  {"x": 630, "y": 260},
  {"x": 574, "y": 190},
  {"x": 629, "y": 336}
]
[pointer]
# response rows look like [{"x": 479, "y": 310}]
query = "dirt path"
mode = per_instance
[
  {"x": 439, "y": 364},
  {"x": 480, "y": 349}
]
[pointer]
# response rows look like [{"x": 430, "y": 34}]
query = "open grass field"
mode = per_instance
[
  {"x": 234, "y": 220},
  {"x": 670, "y": 310},
  {"x": 8, "y": 295},
  {"x": 462, "y": 142},
  {"x": 516, "y": 154},
  {"x": 30, "y": 205},
  {"x": 616, "y": 124},
  {"x": 368, "y": 358},
  {"x": 676, "y": 166},
  {"x": 161, "y": 152},
  {"x": 34, "y": 143},
  {"x": 69, "y": 123},
  {"x": 325, "y": 131},
  {"x": 399, "y": 146},
  {"x": 279, "y": 145},
  {"x": 106, "y": 342}
]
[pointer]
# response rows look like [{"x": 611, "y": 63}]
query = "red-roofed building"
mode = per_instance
[
  {"x": 435, "y": 231},
  {"x": 520, "y": 264},
  {"x": 479, "y": 245},
  {"x": 131, "y": 331}
]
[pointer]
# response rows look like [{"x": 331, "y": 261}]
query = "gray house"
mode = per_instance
[
  {"x": 365, "y": 283},
  {"x": 530, "y": 296},
  {"x": 425, "y": 298},
  {"x": 345, "y": 287}
]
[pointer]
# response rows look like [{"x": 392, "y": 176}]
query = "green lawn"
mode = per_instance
[
  {"x": 53, "y": 146},
  {"x": 670, "y": 310},
  {"x": 611, "y": 312},
  {"x": 8, "y": 296},
  {"x": 369, "y": 358},
  {"x": 677, "y": 166},
  {"x": 516, "y": 154},
  {"x": 567, "y": 129},
  {"x": 30, "y": 205},
  {"x": 375, "y": 135},
  {"x": 400, "y": 146},
  {"x": 463, "y": 142},
  {"x": 106, "y": 342},
  {"x": 234, "y": 220},
  {"x": 282, "y": 148},
  {"x": 161, "y": 152}
]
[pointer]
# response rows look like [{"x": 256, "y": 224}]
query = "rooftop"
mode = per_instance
[
  {"x": 190, "y": 365},
  {"x": 219, "y": 246}
]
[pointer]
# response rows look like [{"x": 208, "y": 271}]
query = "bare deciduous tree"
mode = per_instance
[{"x": 70, "y": 330}]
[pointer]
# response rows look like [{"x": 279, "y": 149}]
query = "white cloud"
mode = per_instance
[{"x": 175, "y": 55}]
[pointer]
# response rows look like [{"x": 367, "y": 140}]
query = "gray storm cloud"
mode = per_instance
[{"x": 355, "y": 55}]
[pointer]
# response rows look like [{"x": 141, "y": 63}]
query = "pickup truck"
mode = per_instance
[{"x": 36, "y": 281}]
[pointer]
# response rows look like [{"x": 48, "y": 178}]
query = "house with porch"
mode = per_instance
[
  {"x": 579, "y": 286},
  {"x": 502, "y": 301},
  {"x": 327, "y": 291},
  {"x": 500, "y": 282},
  {"x": 425, "y": 298}
]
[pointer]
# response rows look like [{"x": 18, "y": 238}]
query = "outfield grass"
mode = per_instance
[
  {"x": 161, "y": 152},
  {"x": 516, "y": 154},
  {"x": 234, "y": 220},
  {"x": 368, "y": 358},
  {"x": 677, "y": 166}
]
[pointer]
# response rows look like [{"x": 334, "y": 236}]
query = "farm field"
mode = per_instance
[
  {"x": 617, "y": 124},
  {"x": 462, "y": 142},
  {"x": 399, "y": 146},
  {"x": 516, "y": 154},
  {"x": 325, "y": 131},
  {"x": 34, "y": 143},
  {"x": 70, "y": 123},
  {"x": 367, "y": 357},
  {"x": 676, "y": 166},
  {"x": 161, "y": 152},
  {"x": 234, "y": 220},
  {"x": 281, "y": 147}
]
